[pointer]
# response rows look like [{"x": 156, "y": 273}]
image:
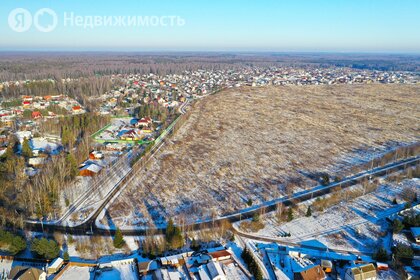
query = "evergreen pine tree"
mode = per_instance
[
  {"x": 290, "y": 214},
  {"x": 66, "y": 256},
  {"x": 309, "y": 212},
  {"x": 26, "y": 148},
  {"x": 118, "y": 239}
]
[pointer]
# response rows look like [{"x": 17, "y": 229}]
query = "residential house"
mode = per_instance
[
  {"x": 26, "y": 104},
  {"x": 90, "y": 169},
  {"x": 144, "y": 122},
  {"x": 26, "y": 273},
  {"x": 130, "y": 135},
  {"x": 76, "y": 109},
  {"x": 221, "y": 255},
  {"x": 363, "y": 272},
  {"x": 216, "y": 272},
  {"x": 312, "y": 273},
  {"x": 96, "y": 155},
  {"x": 36, "y": 115},
  {"x": 202, "y": 273}
]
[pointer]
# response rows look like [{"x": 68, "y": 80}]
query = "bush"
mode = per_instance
[
  {"x": 397, "y": 226},
  {"x": 290, "y": 214},
  {"x": 381, "y": 255},
  {"x": 249, "y": 202},
  {"x": 412, "y": 220},
  {"x": 44, "y": 248},
  {"x": 13, "y": 244},
  {"x": 256, "y": 217},
  {"x": 403, "y": 252},
  {"x": 70, "y": 239},
  {"x": 195, "y": 246},
  {"x": 325, "y": 179}
]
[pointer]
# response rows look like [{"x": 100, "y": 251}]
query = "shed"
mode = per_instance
[{"x": 55, "y": 266}]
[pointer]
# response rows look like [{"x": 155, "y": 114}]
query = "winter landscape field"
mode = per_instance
[{"x": 247, "y": 145}]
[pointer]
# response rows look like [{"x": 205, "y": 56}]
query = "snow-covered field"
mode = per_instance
[{"x": 259, "y": 144}]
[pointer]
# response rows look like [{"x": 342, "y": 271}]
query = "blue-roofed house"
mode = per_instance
[{"x": 415, "y": 231}]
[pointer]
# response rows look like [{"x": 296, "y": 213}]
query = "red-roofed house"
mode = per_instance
[
  {"x": 26, "y": 104},
  {"x": 221, "y": 255},
  {"x": 36, "y": 115},
  {"x": 76, "y": 109},
  {"x": 144, "y": 122}
]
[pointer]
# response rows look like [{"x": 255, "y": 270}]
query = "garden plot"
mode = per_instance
[
  {"x": 111, "y": 131},
  {"x": 257, "y": 144}
]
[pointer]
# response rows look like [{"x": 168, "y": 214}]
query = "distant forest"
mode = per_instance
[{"x": 56, "y": 65}]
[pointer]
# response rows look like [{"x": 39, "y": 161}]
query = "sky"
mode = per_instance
[{"x": 216, "y": 25}]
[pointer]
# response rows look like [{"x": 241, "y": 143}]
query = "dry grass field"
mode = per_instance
[{"x": 260, "y": 143}]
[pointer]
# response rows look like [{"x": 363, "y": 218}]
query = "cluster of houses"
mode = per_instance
[
  {"x": 114, "y": 139},
  {"x": 218, "y": 264},
  {"x": 212, "y": 264},
  {"x": 139, "y": 90},
  {"x": 290, "y": 263},
  {"x": 42, "y": 148},
  {"x": 37, "y": 107},
  {"x": 21, "y": 117},
  {"x": 172, "y": 89}
]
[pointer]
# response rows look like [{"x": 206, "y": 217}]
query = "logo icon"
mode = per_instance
[
  {"x": 51, "y": 15},
  {"x": 20, "y": 20},
  {"x": 45, "y": 20}
]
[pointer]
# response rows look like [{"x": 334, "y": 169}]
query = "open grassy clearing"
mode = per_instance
[{"x": 262, "y": 143}]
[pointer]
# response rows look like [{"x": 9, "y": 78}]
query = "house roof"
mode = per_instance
[
  {"x": 25, "y": 273},
  {"x": 56, "y": 263},
  {"x": 92, "y": 167},
  {"x": 313, "y": 273},
  {"x": 215, "y": 269},
  {"x": 415, "y": 231},
  {"x": 36, "y": 114},
  {"x": 366, "y": 271},
  {"x": 220, "y": 254}
]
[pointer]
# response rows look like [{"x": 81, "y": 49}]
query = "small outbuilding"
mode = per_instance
[
  {"x": 415, "y": 231},
  {"x": 55, "y": 266}
]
